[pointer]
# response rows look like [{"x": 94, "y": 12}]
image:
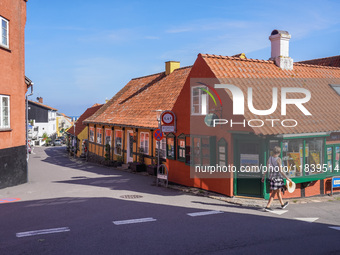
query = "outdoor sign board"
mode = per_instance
[
  {"x": 335, "y": 182},
  {"x": 168, "y": 124}
]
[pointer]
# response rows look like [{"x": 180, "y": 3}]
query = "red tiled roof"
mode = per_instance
[
  {"x": 43, "y": 105},
  {"x": 135, "y": 104},
  {"x": 263, "y": 75},
  {"x": 79, "y": 123},
  {"x": 330, "y": 61}
]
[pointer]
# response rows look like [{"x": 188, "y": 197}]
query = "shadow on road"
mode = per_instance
[{"x": 173, "y": 231}]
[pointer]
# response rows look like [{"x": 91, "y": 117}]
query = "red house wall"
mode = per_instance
[
  {"x": 12, "y": 72},
  {"x": 179, "y": 172},
  {"x": 13, "y": 164}
]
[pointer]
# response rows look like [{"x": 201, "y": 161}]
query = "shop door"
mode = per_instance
[
  {"x": 249, "y": 158},
  {"x": 130, "y": 146}
]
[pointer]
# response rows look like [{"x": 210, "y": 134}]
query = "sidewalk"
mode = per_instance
[
  {"x": 237, "y": 200},
  {"x": 253, "y": 202}
]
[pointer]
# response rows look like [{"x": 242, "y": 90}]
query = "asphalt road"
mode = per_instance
[{"x": 72, "y": 207}]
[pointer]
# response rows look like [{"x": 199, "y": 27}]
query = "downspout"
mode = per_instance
[{"x": 27, "y": 153}]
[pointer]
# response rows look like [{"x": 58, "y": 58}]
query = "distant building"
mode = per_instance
[
  {"x": 79, "y": 131},
  {"x": 63, "y": 123},
  {"x": 43, "y": 119},
  {"x": 13, "y": 87}
]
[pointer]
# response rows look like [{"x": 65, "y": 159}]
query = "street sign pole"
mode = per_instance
[{"x": 159, "y": 145}]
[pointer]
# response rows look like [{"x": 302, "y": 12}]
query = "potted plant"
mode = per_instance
[
  {"x": 119, "y": 161},
  {"x": 139, "y": 166},
  {"x": 152, "y": 169}
]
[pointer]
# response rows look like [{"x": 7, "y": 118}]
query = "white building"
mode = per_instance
[{"x": 43, "y": 119}]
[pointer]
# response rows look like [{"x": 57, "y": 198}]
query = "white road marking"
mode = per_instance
[
  {"x": 203, "y": 213},
  {"x": 43, "y": 232},
  {"x": 310, "y": 220},
  {"x": 122, "y": 222},
  {"x": 336, "y": 228},
  {"x": 279, "y": 212}
]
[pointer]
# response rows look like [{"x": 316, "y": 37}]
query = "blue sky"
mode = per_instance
[{"x": 82, "y": 52}]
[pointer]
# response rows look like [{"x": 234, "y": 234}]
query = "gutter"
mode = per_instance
[{"x": 27, "y": 95}]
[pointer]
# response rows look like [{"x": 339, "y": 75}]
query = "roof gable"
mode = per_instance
[
  {"x": 263, "y": 76},
  {"x": 79, "y": 125},
  {"x": 136, "y": 103}
]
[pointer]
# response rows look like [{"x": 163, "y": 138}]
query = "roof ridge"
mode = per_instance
[
  {"x": 317, "y": 66},
  {"x": 141, "y": 77},
  {"x": 320, "y": 58},
  {"x": 43, "y": 105},
  {"x": 264, "y": 61},
  {"x": 236, "y": 58}
]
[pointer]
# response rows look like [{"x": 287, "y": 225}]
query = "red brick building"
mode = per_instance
[
  {"x": 258, "y": 104},
  {"x": 13, "y": 86}
]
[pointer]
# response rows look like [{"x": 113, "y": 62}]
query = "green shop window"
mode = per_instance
[
  {"x": 303, "y": 157},
  {"x": 222, "y": 152},
  {"x": 203, "y": 150},
  {"x": 181, "y": 147},
  {"x": 170, "y": 146},
  {"x": 333, "y": 158}
]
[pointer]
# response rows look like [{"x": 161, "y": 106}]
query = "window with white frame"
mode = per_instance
[
  {"x": 162, "y": 148},
  {"x": 91, "y": 134},
  {"x": 199, "y": 101},
  {"x": 4, "y": 112},
  {"x": 118, "y": 142},
  {"x": 4, "y": 32},
  {"x": 108, "y": 136},
  {"x": 144, "y": 142},
  {"x": 99, "y": 135}
]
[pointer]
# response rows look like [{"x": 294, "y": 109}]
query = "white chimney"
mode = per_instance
[{"x": 280, "y": 49}]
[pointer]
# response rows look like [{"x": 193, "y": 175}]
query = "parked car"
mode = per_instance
[
  {"x": 57, "y": 142},
  {"x": 62, "y": 139}
]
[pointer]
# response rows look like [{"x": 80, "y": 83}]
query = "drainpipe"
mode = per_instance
[{"x": 27, "y": 153}]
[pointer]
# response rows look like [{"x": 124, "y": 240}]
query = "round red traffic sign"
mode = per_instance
[
  {"x": 158, "y": 134},
  {"x": 168, "y": 118}
]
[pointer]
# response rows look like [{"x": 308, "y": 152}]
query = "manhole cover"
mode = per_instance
[
  {"x": 131, "y": 196},
  {"x": 36, "y": 157}
]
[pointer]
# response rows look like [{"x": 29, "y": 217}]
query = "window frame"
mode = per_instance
[
  {"x": 7, "y": 32},
  {"x": 169, "y": 136},
  {"x": 2, "y": 126},
  {"x": 144, "y": 140},
  {"x": 115, "y": 142},
  {"x": 91, "y": 134},
  {"x": 110, "y": 131},
  {"x": 200, "y": 113},
  {"x": 99, "y": 134},
  {"x": 181, "y": 151}
]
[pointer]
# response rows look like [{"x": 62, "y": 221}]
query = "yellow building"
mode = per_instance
[{"x": 79, "y": 132}]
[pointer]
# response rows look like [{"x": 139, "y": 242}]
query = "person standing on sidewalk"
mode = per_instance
[{"x": 276, "y": 174}]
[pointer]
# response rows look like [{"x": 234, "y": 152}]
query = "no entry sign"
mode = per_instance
[{"x": 158, "y": 134}]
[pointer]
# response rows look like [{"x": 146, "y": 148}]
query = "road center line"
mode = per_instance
[
  {"x": 43, "y": 232},
  {"x": 203, "y": 213},
  {"x": 122, "y": 222}
]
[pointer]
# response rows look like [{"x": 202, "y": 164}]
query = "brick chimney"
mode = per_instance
[
  {"x": 40, "y": 100},
  {"x": 280, "y": 49},
  {"x": 170, "y": 66}
]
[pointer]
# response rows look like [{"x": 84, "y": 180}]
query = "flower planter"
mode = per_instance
[
  {"x": 151, "y": 169},
  {"x": 138, "y": 167}
]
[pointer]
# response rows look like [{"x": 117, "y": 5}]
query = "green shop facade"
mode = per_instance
[{"x": 310, "y": 160}]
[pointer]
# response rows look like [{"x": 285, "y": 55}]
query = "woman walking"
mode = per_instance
[{"x": 276, "y": 175}]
